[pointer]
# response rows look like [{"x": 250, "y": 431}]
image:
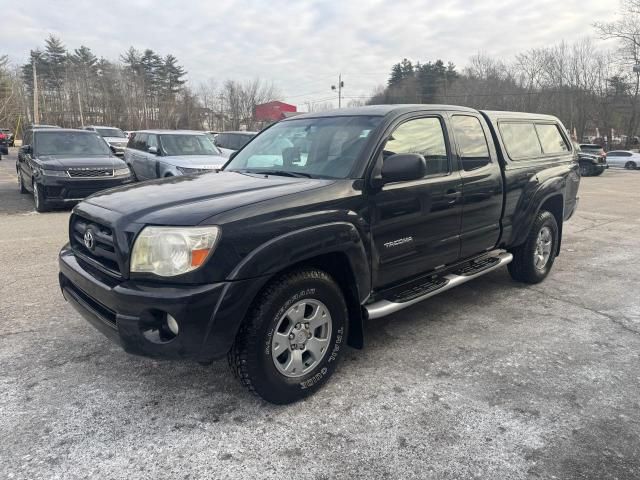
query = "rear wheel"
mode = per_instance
[
  {"x": 630, "y": 165},
  {"x": 291, "y": 340},
  {"x": 39, "y": 198},
  {"x": 532, "y": 261}
]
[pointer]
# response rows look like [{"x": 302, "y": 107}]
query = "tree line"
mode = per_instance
[
  {"x": 142, "y": 89},
  {"x": 590, "y": 89}
]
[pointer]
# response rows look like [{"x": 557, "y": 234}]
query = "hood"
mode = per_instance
[
  {"x": 189, "y": 200},
  {"x": 116, "y": 139},
  {"x": 62, "y": 162},
  {"x": 195, "y": 161}
]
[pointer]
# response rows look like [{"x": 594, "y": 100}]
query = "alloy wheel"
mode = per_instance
[
  {"x": 301, "y": 338},
  {"x": 542, "y": 252}
]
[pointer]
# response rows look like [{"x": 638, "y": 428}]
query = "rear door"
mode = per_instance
[
  {"x": 415, "y": 225},
  {"x": 481, "y": 184}
]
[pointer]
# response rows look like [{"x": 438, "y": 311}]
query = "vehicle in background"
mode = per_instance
[
  {"x": 9, "y": 136},
  {"x": 114, "y": 137},
  {"x": 62, "y": 166},
  {"x": 41, "y": 125},
  {"x": 591, "y": 164},
  {"x": 279, "y": 259},
  {"x": 167, "y": 153},
  {"x": 593, "y": 149},
  {"x": 4, "y": 144},
  {"x": 229, "y": 142},
  {"x": 624, "y": 159}
]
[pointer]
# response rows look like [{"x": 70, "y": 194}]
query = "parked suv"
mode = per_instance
[
  {"x": 229, "y": 142},
  {"x": 4, "y": 144},
  {"x": 278, "y": 260},
  {"x": 62, "y": 166},
  {"x": 593, "y": 163},
  {"x": 115, "y": 138},
  {"x": 168, "y": 153}
]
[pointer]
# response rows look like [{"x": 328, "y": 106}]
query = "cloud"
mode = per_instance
[{"x": 301, "y": 46}]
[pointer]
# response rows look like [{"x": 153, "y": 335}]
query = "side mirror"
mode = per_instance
[
  {"x": 153, "y": 150},
  {"x": 25, "y": 149},
  {"x": 403, "y": 167}
]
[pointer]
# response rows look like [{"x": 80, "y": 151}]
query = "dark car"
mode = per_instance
[
  {"x": 230, "y": 142},
  {"x": 4, "y": 144},
  {"x": 278, "y": 260},
  {"x": 62, "y": 166},
  {"x": 593, "y": 161}
]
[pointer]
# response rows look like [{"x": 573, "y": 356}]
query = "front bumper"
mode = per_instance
[
  {"x": 128, "y": 312},
  {"x": 65, "y": 189}
]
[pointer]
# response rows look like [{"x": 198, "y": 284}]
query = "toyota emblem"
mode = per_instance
[{"x": 89, "y": 241}]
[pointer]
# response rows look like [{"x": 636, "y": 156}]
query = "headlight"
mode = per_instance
[
  {"x": 188, "y": 171},
  {"x": 54, "y": 173},
  {"x": 122, "y": 172},
  {"x": 169, "y": 251}
]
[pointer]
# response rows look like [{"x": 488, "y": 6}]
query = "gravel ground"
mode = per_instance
[{"x": 489, "y": 380}]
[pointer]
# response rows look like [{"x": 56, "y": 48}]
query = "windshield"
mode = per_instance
[
  {"x": 315, "y": 147},
  {"x": 70, "y": 143},
  {"x": 185, "y": 144},
  {"x": 110, "y": 132}
]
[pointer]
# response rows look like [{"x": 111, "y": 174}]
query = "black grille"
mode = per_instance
[
  {"x": 103, "y": 253},
  {"x": 90, "y": 172}
]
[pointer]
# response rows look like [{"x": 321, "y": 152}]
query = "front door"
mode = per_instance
[{"x": 416, "y": 224}]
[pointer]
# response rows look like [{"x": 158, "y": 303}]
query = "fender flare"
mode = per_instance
[
  {"x": 553, "y": 187},
  {"x": 303, "y": 244}
]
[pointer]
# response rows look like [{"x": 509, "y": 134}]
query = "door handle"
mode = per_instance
[{"x": 452, "y": 195}]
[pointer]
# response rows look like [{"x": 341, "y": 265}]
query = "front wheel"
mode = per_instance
[
  {"x": 585, "y": 170},
  {"x": 292, "y": 338},
  {"x": 39, "y": 199},
  {"x": 20, "y": 184},
  {"x": 532, "y": 261}
]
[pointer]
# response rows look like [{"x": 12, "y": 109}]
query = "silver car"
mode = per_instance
[
  {"x": 624, "y": 159},
  {"x": 167, "y": 153},
  {"x": 114, "y": 137}
]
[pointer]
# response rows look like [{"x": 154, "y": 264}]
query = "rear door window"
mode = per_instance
[
  {"x": 520, "y": 140},
  {"x": 472, "y": 143},
  {"x": 551, "y": 139}
]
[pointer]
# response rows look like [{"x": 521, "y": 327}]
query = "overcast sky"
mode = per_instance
[{"x": 301, "y": 45}]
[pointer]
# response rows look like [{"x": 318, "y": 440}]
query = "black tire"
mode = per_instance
[
  {"x": 630, "y": 165},
  {"x": 20, "y": 183},
  {"x": 39, "y": 198},
  {"x": 252, "y": 359},
  {"x": 598, "y": 172},
  {"x": 523, "y": 267},
  {"x": 586, "y": 170}
]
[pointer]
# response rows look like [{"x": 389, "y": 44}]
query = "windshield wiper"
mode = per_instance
[{"x": 283, "y": 173}]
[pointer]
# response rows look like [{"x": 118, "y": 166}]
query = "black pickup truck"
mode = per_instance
[{"x": 321, "y": 222}]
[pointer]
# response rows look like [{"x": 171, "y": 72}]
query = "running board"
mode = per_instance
[{"x": 436, "y": 285}]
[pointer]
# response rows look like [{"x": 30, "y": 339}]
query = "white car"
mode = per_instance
[
  {"x": 624, "y": 159},
  {"x": 114, "y": 137}
]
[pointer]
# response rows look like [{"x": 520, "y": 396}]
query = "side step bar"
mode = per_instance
[{"x": 385, "y": 307}]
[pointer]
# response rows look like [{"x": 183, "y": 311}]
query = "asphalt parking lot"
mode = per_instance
[{"x": 490, "y": 380}]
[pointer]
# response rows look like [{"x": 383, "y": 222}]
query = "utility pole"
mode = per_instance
[
  {"x": 221, "y": 112},
  {"x": 79, "y": 105},
  {"x": 339, "y": 89},
  {"x": 36, "y": 112}
]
